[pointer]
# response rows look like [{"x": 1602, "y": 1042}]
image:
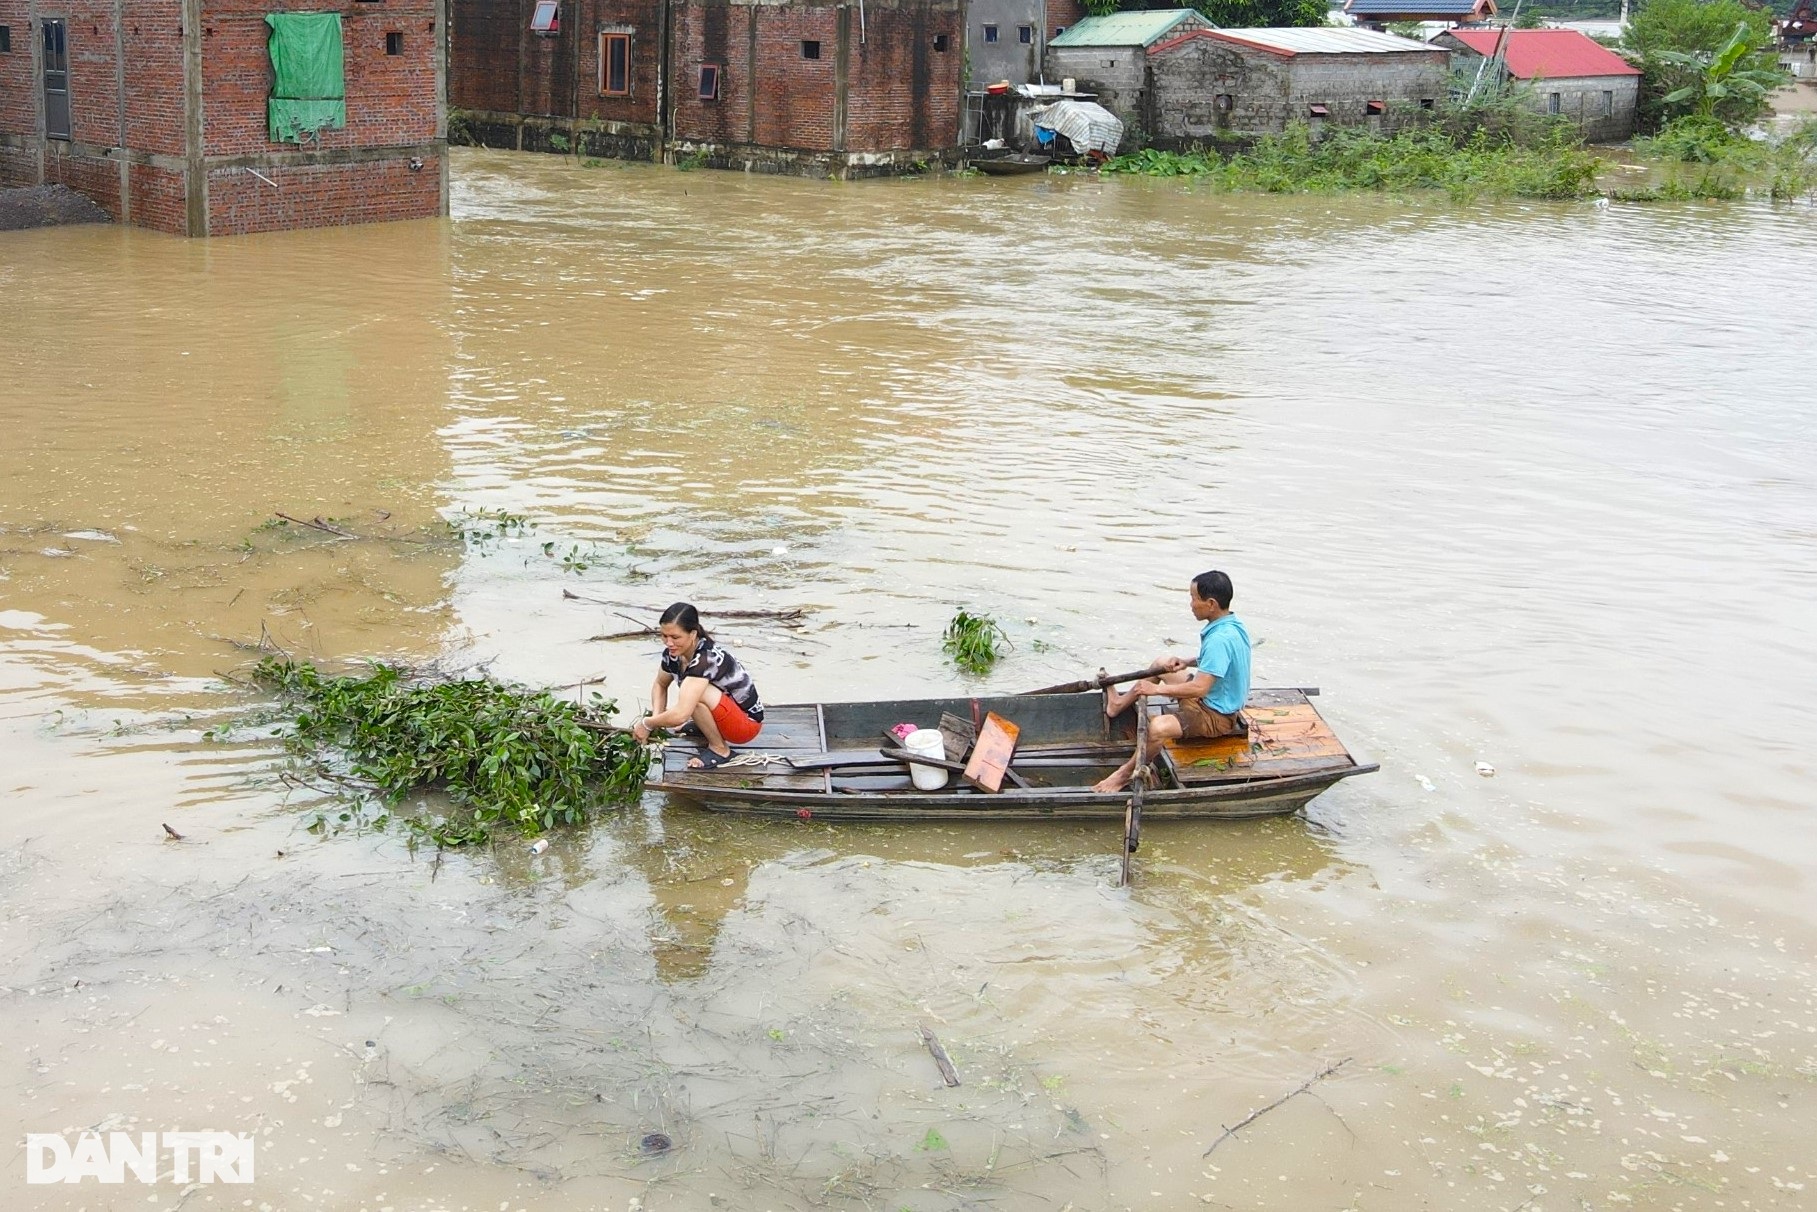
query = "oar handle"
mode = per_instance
[{"x": 1100, "y": 683}]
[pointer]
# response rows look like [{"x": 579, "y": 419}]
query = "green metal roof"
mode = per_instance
[{"x": 1129, "y": 29}]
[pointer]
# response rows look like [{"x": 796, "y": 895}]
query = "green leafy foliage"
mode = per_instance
[
  {"x": 1723, "y": 77},
  {"x": 1447, "y": 155},
  {"x": 1675, "y": 42},
  {"x": 508, "y": 757},
  {"x": 971, "y": 641},
  {"x": 1701, "y": 158}
]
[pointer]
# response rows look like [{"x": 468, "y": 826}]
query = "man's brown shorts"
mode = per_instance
[{"x": 1199, "y": 722}]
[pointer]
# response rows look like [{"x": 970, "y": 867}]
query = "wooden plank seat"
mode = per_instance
[
  {"x": 1287, "y": 736},
  {"x": 787, "y": 732}
]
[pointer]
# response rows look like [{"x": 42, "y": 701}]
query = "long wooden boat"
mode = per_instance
[{"x": 828, "y": 761}]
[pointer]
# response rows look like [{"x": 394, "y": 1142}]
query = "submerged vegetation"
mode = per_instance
[
  {"x": 1501, "y": 148},
  {"x": 971, "y": 641},
  {"x": 1419, "y": 158},
  {"x": 507, "y": 757}
]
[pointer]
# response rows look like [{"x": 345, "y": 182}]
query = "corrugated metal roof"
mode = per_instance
[
  {"x": 1323, "y": 40},
  {"x": 1436, "y": 10},
  {"x": 1129, "y": 29},
  {"x": 1547, "y": 54}
]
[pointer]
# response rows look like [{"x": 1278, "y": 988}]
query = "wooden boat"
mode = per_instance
[
  {"x": 1012, "y": 164},
  {"x": 828, "y": 760}
]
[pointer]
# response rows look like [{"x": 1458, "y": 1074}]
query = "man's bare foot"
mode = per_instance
[{"x": 1110, "y": 786}]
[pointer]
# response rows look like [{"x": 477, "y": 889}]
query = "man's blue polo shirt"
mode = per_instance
[{"x": 1224, "y": 654}]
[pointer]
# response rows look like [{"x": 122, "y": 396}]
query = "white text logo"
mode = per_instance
[{"x": 184, "y": 1157}]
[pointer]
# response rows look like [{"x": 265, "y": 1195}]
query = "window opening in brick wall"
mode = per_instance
[
  {"x": 1025, "y": 34},
  {"x": 810, "y": 48},
  {"x": 6, "y": 39},
  {"x": 1425, "y": 102},
  {"x": 1058, "y": 30},
  {"x": 1375, "y": 107},
  {"x": 1608, "y": 105},
  {"x": 394, "y": 43},
  {"x": 940, "y": 42},
  {"x": 615, "y": 65},
  {"x": 1318, "y": 111},
  {"x": 709, "y": 82},
  {"x": 546, "y": 18},
  {"x": 990, "y": 33},
  {"x": 1552, "y": 103},
  {"x": 55, "y": 78}
]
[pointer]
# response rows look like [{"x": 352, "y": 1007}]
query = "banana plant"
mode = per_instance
[{"x": 1721, "y": 74}]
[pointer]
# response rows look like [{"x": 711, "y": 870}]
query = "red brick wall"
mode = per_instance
[
  {"x": 18, "y": 102},
  {"x": 482, "y": 53},
  {"x": 560, "y": 74},
  {"x": 711, "y": 33},
  {"x": 98, "y": 179},
  {"x": 903, "y": 94},
  {"x": 154, "y": 76},
  {"x": 644, "y": 17},
  {"x": 390, "y": 99},
  {"x": 159, "y": 200},
  {"x": 1063, "y": 14},
  {"x": 321, "y": 196},
  {"x": 795, "y": 99}
]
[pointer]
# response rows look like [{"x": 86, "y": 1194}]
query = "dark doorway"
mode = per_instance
[{"x": 56, "y": 79}]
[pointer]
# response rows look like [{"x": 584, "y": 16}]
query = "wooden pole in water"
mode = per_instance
[{"x": 1138, "y": 779}]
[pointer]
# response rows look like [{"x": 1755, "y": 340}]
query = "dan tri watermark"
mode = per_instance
[{"x": 149, "y": 1157}]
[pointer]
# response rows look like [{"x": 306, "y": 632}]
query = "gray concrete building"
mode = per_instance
[
  {"x": 1108, "y": 57},
  {"x": 1242, "y": 83},
  {"x": 1568, "y": 74},
  {"x": 1005, "y": 40},
  {"x": 1190, "y": 84}
]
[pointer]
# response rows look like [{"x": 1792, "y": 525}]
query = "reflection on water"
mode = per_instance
[{"x": 1524, "y": 484}]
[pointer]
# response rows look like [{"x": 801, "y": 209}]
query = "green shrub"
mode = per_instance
[{"x": 507, "y": 756}]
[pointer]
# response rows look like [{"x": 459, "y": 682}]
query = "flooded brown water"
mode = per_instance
[{"x": 1528, "y": 485}]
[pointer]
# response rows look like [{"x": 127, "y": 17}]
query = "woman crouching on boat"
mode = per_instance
[{"x": 715, "y": 692}]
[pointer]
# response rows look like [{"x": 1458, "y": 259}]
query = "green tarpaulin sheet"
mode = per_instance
[{"x": 308, "y": 91}]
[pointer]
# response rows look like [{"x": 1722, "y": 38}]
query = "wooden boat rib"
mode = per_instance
[{"x": 1289, "y": 757}]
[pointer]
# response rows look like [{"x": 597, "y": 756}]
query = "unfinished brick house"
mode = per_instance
[
  {"x": 817, "y": 87},
  {"x": 192, "y": 117},
  {"x": 542, "y": 76}
]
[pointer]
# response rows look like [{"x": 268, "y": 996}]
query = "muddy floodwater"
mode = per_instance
[{"x": 1526, "y": 485}]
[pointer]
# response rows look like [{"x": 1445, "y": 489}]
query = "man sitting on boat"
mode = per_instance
[{"x": 1211, "y": 692}]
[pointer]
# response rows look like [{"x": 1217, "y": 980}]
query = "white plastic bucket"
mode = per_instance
[{"x": 926, "y": 742}]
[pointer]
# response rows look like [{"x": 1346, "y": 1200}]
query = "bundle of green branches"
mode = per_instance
[
  {"x": 508, "y": 757},
  {"x": 971, "y": 641}
]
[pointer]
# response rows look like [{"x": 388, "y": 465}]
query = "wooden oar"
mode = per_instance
[{"x": 1101, "y": 681}]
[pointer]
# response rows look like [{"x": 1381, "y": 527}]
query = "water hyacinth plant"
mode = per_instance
[
  {"x": 971, "y": 641},
  {"x": 507, "y": 757}
]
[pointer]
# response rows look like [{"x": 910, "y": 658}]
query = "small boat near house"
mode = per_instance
[{"x": 841, "y": 762}]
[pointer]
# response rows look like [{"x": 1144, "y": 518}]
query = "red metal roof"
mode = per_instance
[{"x": 1551, "y": 54}]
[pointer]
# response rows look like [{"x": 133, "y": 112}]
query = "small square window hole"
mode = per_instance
[
  {"x": 394, "y": 43},
  {"x": 810, "y": 48},
  {"x": 940, "y": 42},
  {"x": 990, "y": 33}
]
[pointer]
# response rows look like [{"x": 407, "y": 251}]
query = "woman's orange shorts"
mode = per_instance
[{"x": 737, "y": 727}]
